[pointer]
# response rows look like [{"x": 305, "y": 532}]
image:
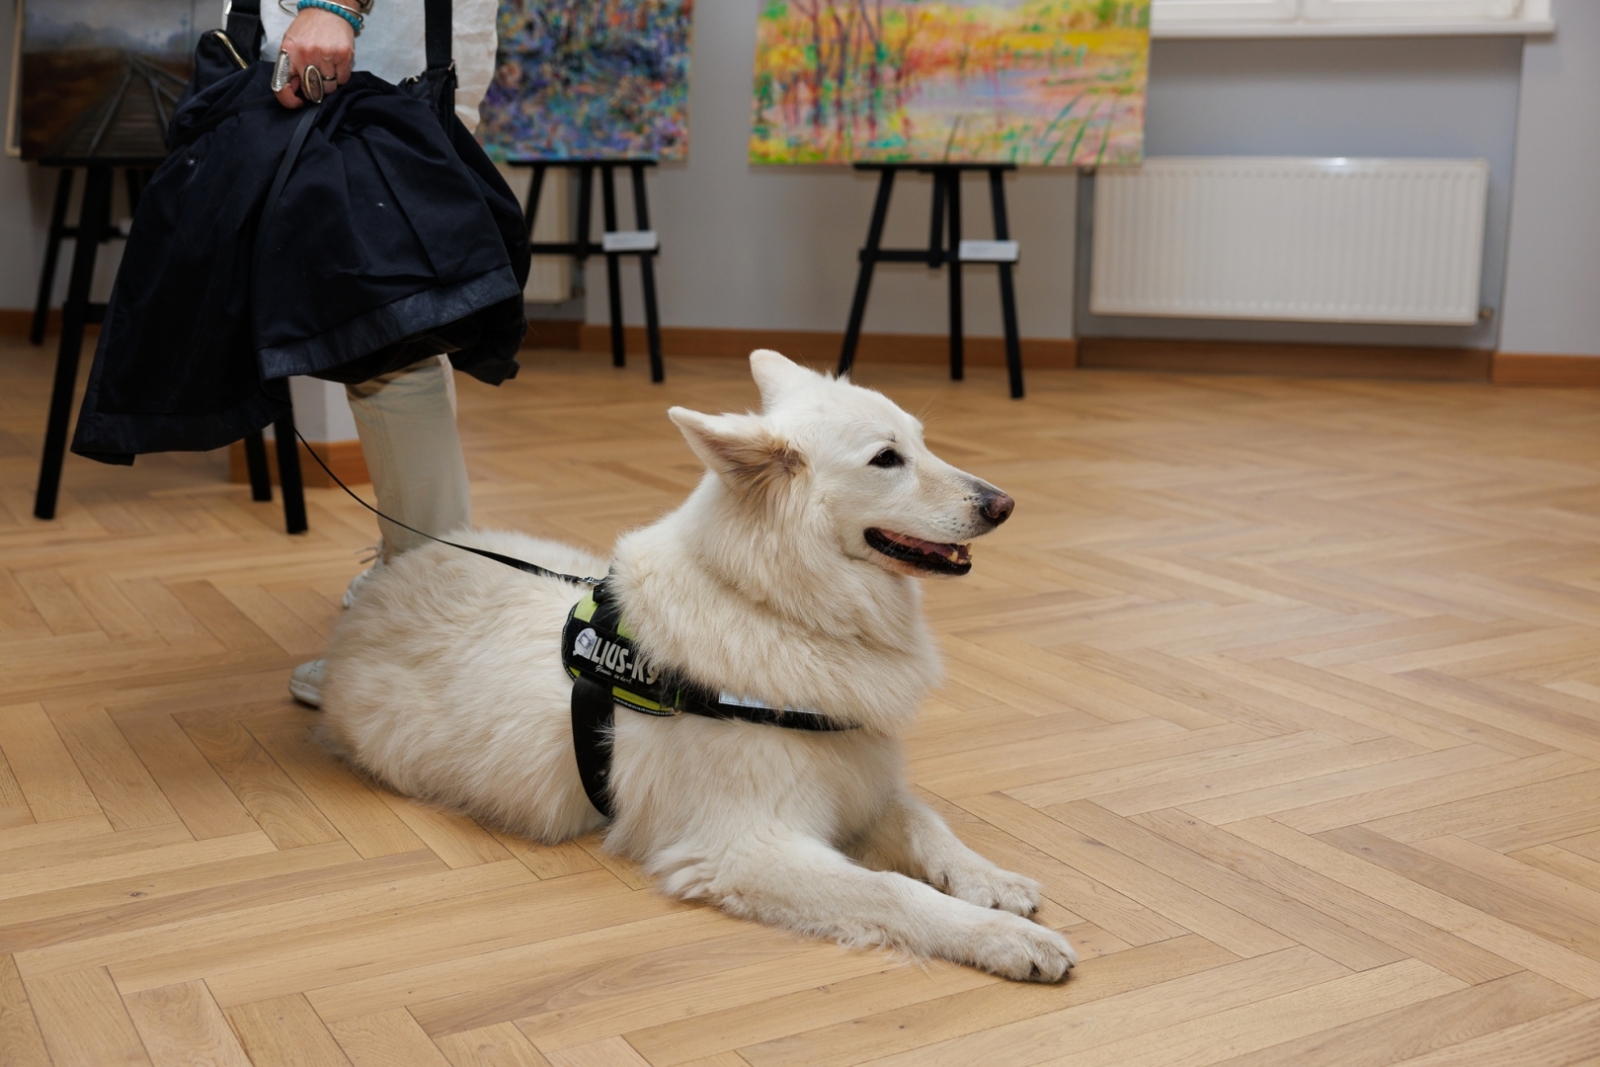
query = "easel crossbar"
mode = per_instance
[{"x": 577, "y": 251}]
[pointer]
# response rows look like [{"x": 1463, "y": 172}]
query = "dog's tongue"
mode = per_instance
[{"x": 957, "y": 554}]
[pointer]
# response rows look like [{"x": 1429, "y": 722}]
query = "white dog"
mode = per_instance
[{"x": 789, "y": 576}]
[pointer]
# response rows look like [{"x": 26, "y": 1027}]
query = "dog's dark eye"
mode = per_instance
[{"x": 888, "y": 458}]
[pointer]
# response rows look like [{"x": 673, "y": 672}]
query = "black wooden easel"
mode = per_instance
[
  {"x": 614, "y": 243},
  {"x": 124, "y": 129},
  {"x": 940, "y": 253}
]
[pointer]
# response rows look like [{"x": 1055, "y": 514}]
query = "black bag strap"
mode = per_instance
[
  {"x": 269, "y": 206},
  {"x": 440, "y": 35},
  {"x": 244, "y": 28},
  {"x": 440, "y": 31}
]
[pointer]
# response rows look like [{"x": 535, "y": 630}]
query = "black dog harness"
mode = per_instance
[{"x": 607, "y": 668}]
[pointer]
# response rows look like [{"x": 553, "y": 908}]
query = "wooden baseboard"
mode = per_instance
[
  {"x": 1309, "y": 361},
  {"x": 343, "y": 456},
  {"x": 820, "y": 348},
  {"x": 1515, "y": 368},
  {"x": 16, "y": 322},
  {"x": 553, "y": 333}
]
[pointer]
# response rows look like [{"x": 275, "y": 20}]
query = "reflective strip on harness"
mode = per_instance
[{"x": 590, "y": 648}]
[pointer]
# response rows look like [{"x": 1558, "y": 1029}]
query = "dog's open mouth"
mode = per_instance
[{"x": 924, "y": 555}]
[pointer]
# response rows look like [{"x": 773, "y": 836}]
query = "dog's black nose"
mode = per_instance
[{"x": 997, "y": 506}]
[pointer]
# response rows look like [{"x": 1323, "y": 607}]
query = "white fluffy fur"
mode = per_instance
[{"x": 445, "y": 681}]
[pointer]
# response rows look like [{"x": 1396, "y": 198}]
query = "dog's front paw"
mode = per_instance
[
  {"x": 1026, "y": 951},
  {"x": 990, "y": 887}
]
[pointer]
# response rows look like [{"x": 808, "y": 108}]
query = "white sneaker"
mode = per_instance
[
  {"x": 305, "y": 684},
  {"x": 353, "y": 590}
]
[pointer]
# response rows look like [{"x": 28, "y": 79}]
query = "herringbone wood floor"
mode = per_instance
[{"x": 1288, "y": 692}]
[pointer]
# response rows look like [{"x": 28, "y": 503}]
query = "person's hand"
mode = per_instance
[{"x": 321, "y": 39}]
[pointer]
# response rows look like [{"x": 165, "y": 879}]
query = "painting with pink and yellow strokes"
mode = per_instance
[{"x": 1045, "y": 83}]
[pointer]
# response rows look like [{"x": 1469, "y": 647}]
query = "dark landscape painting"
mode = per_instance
[{"x": 99, "y": 77}]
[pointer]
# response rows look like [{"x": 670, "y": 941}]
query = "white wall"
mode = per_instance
[
  {"x": 1552, "y": 299},
  {"x": 775, "y": 247},
  {"x": 321, "y": 412}
]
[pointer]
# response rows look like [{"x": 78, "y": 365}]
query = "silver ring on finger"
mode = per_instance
[
  {"x": 281, "y": 72},
  {"x": 311, "y": 81}
]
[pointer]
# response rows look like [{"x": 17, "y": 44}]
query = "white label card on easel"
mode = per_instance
[
  {"x": 630, "y": 241},
  {"x": 988, "y": 251}
]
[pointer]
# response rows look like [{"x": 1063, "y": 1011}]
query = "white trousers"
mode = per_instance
[{"x": 407, "y": 424}]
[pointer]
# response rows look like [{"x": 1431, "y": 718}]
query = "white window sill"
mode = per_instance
[{"x": 1174, "y": 30}]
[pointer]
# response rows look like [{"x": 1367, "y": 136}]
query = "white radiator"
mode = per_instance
[{"x": 1326, "y": 240}]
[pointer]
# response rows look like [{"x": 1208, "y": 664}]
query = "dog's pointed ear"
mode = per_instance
[
  {"x": 741, "y": 449},
  {"x": 775, "y": 374}
]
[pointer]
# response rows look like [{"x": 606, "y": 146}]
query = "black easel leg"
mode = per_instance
[
  {"x": 91, "y": 228},
  {"x": 608, "y": 195},
  {"x": 647, "y": 275},
  {"x": 294, "y": 492},
  {"x": 869, "y": 259},
  {"x": 585, "y": 208},
  {"x": 580, "y": 239},
  {"x": 133, "y": 181},
  {"x": 530, "y": 212},
  {"x": 958, "y": 369},
  {"x": 255, "y": 461},
  {"x": 52, "y": 256},
  {"x": 1008, "y": 296}
]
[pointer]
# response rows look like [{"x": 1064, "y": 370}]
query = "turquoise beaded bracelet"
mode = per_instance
[{"x": 338, "y": 9}]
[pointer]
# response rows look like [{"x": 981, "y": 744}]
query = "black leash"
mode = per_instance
[{"x": 509, "y": 561}]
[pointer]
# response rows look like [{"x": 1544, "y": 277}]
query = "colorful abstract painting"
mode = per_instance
[
  {"x": 1032, "y": 82},
  {"x": 590, "y": 79}
]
